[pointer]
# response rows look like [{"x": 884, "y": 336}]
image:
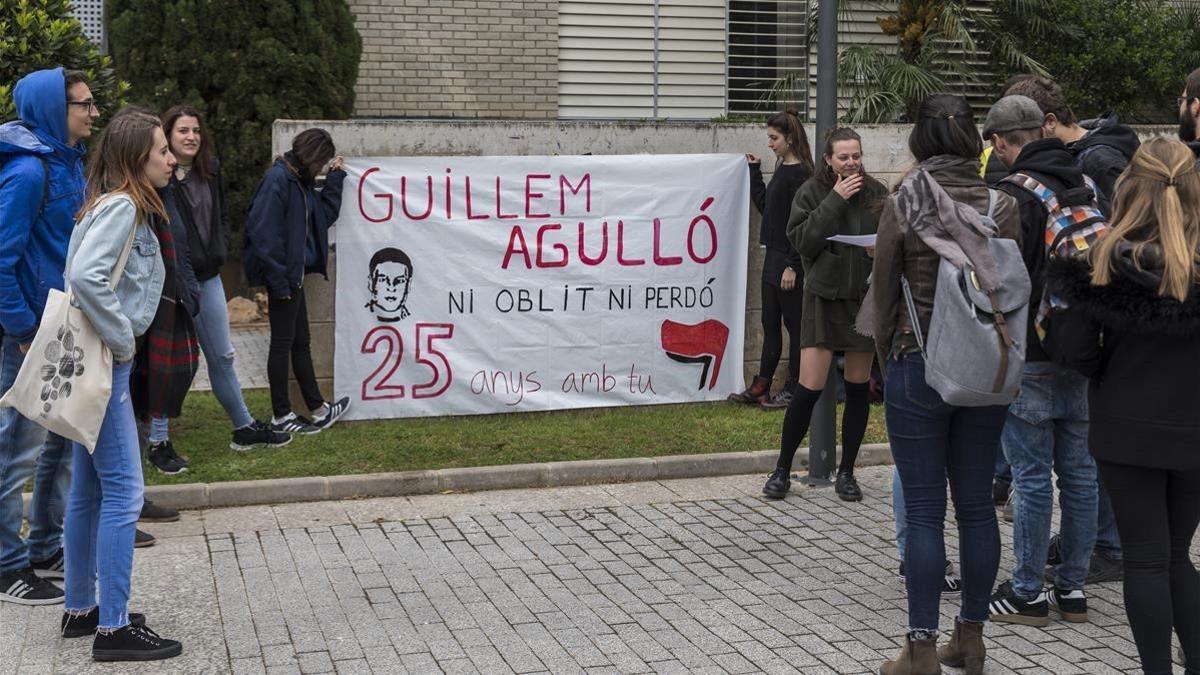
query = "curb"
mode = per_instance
[{"x": 471, "y": 479}]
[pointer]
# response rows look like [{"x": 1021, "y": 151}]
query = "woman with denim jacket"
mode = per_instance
[
  {"x": 130, "y": 162},
  {"x": 838, "y": 199},
  {"x": 933, "y": 442}
]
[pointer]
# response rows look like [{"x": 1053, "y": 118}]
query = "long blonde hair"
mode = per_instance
[
  {"x": 1156, "y": 202},
  {"x": 118, "y": 164}
]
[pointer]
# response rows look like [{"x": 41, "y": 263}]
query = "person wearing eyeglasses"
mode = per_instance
[
  {"x": 1189, "y": 114},
  {"x": 41, "y": 190}
]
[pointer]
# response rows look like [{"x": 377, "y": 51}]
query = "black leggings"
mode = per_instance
[
  {"x": 290, "y": 340},
  {"x": 780, "y": 308},
  {"x": 1157, "y": 512}
]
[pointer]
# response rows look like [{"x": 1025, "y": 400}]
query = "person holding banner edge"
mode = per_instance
[
  {"x": 839, "y": 199},
  {"x": 782, "y": 269},
  {"x": 287, "y": 237}
]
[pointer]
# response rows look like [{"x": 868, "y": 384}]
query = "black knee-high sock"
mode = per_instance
[
  {"x": 795, "y": 424},
  {"x": 854, "y": 423}
]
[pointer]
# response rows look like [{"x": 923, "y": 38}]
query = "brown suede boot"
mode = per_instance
[
  {"x": 965, "y": 649},
  {"x": 919, "y": 657},
  {"x": 758, "y": 391}
]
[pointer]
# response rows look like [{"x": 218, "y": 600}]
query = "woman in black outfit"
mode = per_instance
[
  {"x": 1132, "y": 325},
  {"x": 781, "y": 280}
]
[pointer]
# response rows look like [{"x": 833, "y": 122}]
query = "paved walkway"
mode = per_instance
[
  {"x": 698, "y": 575},
  {"x": 250, "y": 344}
]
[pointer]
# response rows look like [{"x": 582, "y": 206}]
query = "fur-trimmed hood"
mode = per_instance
[{"x": 1131, "y": 300}]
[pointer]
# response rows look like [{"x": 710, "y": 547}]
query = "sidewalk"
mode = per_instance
[
  {"x": 695, "y": 575},
  {"x": 250, "y": 344}
]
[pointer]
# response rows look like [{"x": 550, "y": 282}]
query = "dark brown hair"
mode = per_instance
[
  {"x": 1048, "y": 96},
  {"x": 834, "y": 135},
  {"x": 945, "y": 126},
  {"x": 313, "y": 148},
  {"x": 118, "y": 163},
  {"x": 1192, "y": 89},
  {"x": 201, "y": 162},
  {"x": 788, "y": 124},
  {"x": 72, "y": 78}
]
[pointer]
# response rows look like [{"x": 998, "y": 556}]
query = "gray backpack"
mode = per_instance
[{"x": 975, "y": 351}]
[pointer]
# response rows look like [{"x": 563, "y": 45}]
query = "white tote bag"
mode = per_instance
[{"x": 66, "y": 379}]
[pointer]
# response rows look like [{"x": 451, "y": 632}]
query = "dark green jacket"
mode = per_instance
[{"x": 832, "y": 270}]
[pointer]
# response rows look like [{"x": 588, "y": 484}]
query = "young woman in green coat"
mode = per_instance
[{"x": 839, "y": 199}]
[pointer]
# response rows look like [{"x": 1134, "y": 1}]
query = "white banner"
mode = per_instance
[{"x": 501, "y": 284}]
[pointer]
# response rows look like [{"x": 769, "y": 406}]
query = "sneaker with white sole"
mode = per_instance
[
  {"x": 1006, "y": 607},
  {"x": 1071, "y": 605},
  {"x": 23, "y": 587},
  {"x": 332, "y": 412},
  {"x": 258, "y": 435},
  {"x": 50, "y": 568},
  {"x": 294, "y": 424},
  {"x": 950, "y": 582}
]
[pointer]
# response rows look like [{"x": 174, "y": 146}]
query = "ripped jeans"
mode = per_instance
[{"x": 212, "y": 328}]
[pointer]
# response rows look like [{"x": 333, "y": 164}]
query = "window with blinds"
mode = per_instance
[
  {"x": 768, "y": 56},
  {"x": 91, "y": 14},
  {"x": 641, "y": 59}
]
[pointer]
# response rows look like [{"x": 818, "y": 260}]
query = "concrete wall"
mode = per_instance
[
  {"x": 457, "y": 58},
  {"x": 885, "y": 148}
]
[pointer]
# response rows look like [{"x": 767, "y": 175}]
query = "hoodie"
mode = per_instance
[
  {"x": 1105, "y": 152},
  {"x": 34, "y": 231},
  {"x": 1051, "y": 163},
  {"x": 1139, "y": 350}
]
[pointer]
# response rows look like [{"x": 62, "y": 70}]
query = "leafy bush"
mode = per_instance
[
  {"x": 243, "y": 64},
  {"x": 37, "y": 34},
  {"x": 1131, "y": 57}
]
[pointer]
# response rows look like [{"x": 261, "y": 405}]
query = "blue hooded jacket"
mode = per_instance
[{"x": 33, "y": 235}]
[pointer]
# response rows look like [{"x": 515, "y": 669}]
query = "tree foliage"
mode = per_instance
[
  {"x": 1132, "y": 56},
  {"x": 243, "y": 64},
  {"x": 943, "y": 45},
  {"x": 38, "y": 34}
]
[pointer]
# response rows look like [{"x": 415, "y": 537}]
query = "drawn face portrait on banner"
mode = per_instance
[{"x": 389, "y": 277}]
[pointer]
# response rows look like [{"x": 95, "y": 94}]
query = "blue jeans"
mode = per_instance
[
  {"x": 212, "y": 329},
  {"x": 1046, "y": 430},
  {"x": 27, "y": 450},
  {"x": 106, "y": 500},
  {"x": 899, "y": 511},
  {"x": 933, "y": 442},
  {"x": 1108, "y": 542}
]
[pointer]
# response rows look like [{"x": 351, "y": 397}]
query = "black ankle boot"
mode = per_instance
[
  {"x": 847, "y": 487},
  {"x": 778, "y": 484}
]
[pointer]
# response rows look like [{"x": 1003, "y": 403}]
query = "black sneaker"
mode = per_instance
[
  {"x": 79, "y": 626},
  {"x": 1102, "y": 569},
  {"x": 154, "y": 513},
  {"x": 162, "y": 456},
  {"x": 950, "y": 582},
  {"x": 294, "y": 424},
  {"x": 258, "y": 435},
  {"x": 1054, "y": 551},
  {"x": 143, "y": 539},
  {"x": 1072, "y": 605},
  {"x": 134, "y": 643},
  {"x": 332, "y": 412},
  {"x": 50, "y": 568},
  {"x": 1000, "y": 490},
  {"x": 1008, "y": 608},
  {"x": 847, "y": 488},
  {"x": 778, "y": 484},
  {"x": 23, "y": 587},
  {"x": 779, "y": 401}
]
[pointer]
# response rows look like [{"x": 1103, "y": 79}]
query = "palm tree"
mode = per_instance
[{"x": 943, "y": 45}]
